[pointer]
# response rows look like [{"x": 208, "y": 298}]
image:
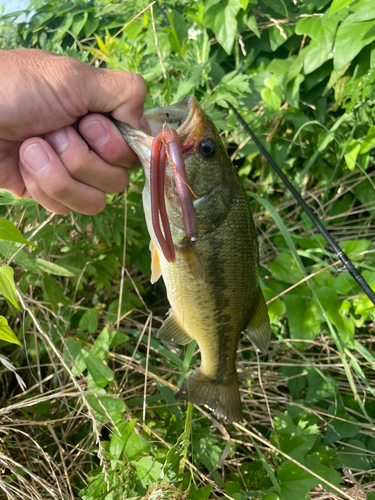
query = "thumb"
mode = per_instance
[{"x": 120, "y": 93}]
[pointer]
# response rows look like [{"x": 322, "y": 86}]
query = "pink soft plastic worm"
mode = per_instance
[
  {"x": 169, "y": 138},
  {"x": 157, "y": 170}
]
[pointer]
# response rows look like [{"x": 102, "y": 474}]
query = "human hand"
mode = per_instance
[{"x": 42, "y": 155}]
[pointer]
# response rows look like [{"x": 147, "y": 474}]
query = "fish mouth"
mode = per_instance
[{"x": 169, "y": 126}]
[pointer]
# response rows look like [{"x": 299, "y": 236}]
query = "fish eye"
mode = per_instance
[{"x": 207, "y": 148}]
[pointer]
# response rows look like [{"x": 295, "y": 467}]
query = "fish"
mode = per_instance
[{"x": 204, "y": 244}]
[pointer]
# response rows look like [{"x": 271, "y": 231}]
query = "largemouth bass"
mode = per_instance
[{"x": 207, "y": 251}]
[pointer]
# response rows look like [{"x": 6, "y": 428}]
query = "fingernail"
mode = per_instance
[
  {"x": 95, "y": 133},
  {"x": 59, "y": 140},
  {"x": 36, "y": 158}
]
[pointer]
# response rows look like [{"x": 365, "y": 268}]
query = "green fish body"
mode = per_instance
[{"x": 213, "y": 284}]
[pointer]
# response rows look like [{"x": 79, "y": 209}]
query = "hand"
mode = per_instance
[{"x": 42, "y": 155}]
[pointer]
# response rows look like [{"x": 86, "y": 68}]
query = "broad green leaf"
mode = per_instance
[
  {"x": 314, "y": 57},
  {"x": 90, "y": 26},
  {"x": 285, "y": 268},
  {"x": 8, "y": 199},
  {"x": 201, "y": 494},
  {"x": 113, "y": 406},
  {"x": 320, "y": 29},
  {"x": 101, "y": 373},
  {"x": 338, "y": 5},
  {"x": 103, "y": 341},
  {"x": 65, "y": 24},
  {"x": 7, "y": 286},
  {"x": 271, "y": 98},
  {"x": 6, "y": 333},
  {"x": 74, "y": 356},
  {"x": 276, "y": 308},
  {"x": 180, "y": 27},
  {"x": 90, "y": 320},
  {"x": 320, "y": 387},
  {"x": 345, "y": 327},
  {"x": 9, "y": 232},
  {"x": 295, "y": 482},
  {"x": 251, "y": 23},
  {"x": 220, "y": 17},
  {"x": 350, "y": 40},
  {"x": 79, "y": 22},
  {"x": 148, "y": 469},
  {"x": 52, "y": 268},
  {"x": 303, "y": 317},
  {"x": 342, "y": 427},
  {"x": 354, "y": 458},
  {"x": 369, "y": 143},
  {"x": 354, "y": 247},
  {"x": 135, "y": 446},
  {"x": 351, "y": 154},
  {"x": 119, "y": 438}
]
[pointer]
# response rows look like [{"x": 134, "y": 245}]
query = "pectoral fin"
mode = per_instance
[
  {"x": 258, "y": 328},
  {"x": 172, "y": 331},
  {"x": 192, "y": 259},
  {"x": 155, "y": 263}
]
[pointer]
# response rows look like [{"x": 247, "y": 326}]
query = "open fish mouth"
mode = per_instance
[{"x": 169, "y": 127}]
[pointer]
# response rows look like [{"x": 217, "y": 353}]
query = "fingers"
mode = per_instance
[
  {"x": 118, "y": 92},
  {"x": 48, "y": 181},
  {"x": 58, "y": 171},
  {"x": 10, "y": 176}
]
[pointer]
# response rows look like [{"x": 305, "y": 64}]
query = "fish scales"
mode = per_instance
[{"x": 212, "y": 286}]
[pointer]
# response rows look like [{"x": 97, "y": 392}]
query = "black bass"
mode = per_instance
[{"x": 203, "y": 243}]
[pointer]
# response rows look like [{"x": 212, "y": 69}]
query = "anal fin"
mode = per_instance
[
  {"x": 172, "y": 331},
  {"x": 258, "y": 328},
  {"x": 155, "y": 263}
]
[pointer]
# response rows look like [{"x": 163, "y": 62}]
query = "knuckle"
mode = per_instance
[{"x": 95, "y": 206}]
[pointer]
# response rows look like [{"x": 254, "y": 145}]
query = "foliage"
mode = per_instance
[{"x": 302, "y": 73}]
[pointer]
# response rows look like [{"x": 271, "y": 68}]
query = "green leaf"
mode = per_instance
[
  {"x": 351, "y": 154},
  {"x": 103, "y": 341},
  {"x": 120, "y": 437},
  {"x": 180, "y": 27},
  {"x": 79, "y": 22},
  {"x": 320, "y": 387},
  {"x": 251, "y": 23},
  {"x": 90, "y": 26},
  {"x": 303, "y": 317},
  {"x": 10, "y": 233},
  {"x": 220, "y": 17},
  {"x": 342, "y": 427},
  {"x": 7, "y": 286},
  {"x": 350, "y": 40},
  {"x": 369, "y": 143},
  {"x": 201, "y": 494},
  {"x": 135, "y": 446},
  {"x": 74, "y": 355},
  {"x": 7, "y": 333},
  {"x": 338, "y": 5},
  {"x": 295, "y": 482},
  {"x": 355, "y": 458},
  {"x": 107, "y": 405},
  {"x": 52, "y": 268},
  {"x": 314, "y": 57},
  {"x": 148, "y": 469},
  {"x": 345, "y": 327},
  {"x": 90, "y": 320},
  {"x": 320, "y": 29},
  {"x": 101, "y": 373},
  {"x": 285, "y": 268}
]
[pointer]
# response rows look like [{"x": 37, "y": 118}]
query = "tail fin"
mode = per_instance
[{"x": 222, "y": 397}]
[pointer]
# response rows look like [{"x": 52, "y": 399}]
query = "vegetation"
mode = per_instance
[{"x": 97, "y": 419}]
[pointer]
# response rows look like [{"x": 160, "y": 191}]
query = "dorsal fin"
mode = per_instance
[
  {"x": 258, "y": 328},
  {"x": 172, "y": 331}
]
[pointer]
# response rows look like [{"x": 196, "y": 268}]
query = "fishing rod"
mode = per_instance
[{"x": 314, "y": 219}]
